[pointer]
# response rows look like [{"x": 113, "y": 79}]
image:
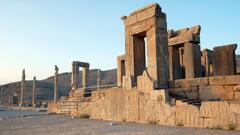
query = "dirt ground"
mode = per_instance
[{"x": 28, "y": 123}]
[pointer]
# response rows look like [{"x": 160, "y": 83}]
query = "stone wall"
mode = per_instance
[
  {"x": 208, "y": 88},
  {"x": 129, "y": 105},
  {"x": 132, "y": 105}
]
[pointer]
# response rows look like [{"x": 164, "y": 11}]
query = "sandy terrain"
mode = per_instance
[{"x": 28, "y": 123}]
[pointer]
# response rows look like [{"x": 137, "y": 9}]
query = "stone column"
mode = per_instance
[
  {"x": 75, "y": 76},
  {"x": 98, "y": 78},
  {"x": 22, "y": 86},
  {"x": 174, "y": 63},
  {"x": 1, "y": 96},
  {"x": 33, "y": 90},
  {"x": 206, "y": 61},
  {"x": 55, "y": 98},
  {"x": 182, "y": 67},
  {"x": 85, "y": 77},
  {"x": 192, "y": 60}
]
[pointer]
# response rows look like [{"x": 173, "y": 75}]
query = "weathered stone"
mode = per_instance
[
  {"x": 175, "y": 69},
  {"x": 55, "y": 98},
  {"x": 184, "y": 35},
  {"x": 223, "y": 59},
  {"x": 120, "y": 69},
  {"x": 189, "y": 92},
  {"x": 217, "y": 109},
  {"x": 145, "y": 83},
  {"x": 184, "y": 53},
  {"x": 75, "y": 76},
  {"x": 192, "y": 82},
  {"x": 99, "y": 78},
  {"x": 148, "y": 22},
  {"x": 236, "y": 95},
  {"x": 216, "y": 92},
  {"x": 225, "y": 80},
  {"x": 33, "y": 90},
  {"x": 206, "y": 61},
  {"x": 22, "y": 86},
  {"x": 192, "y": 60}
]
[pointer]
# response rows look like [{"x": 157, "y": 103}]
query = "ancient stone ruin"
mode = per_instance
[
  {"x": 75, "y": 82},
  {"x": 162, "y": 78},
  {"x": 22, "y": 86},
  {"x": 55, "y": 96}
]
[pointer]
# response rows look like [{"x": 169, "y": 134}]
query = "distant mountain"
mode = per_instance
[{"x": 44, "y": 88}]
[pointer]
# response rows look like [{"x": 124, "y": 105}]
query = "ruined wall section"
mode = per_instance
[
  {"x": 132, "y": 105},
  {"x": 208, "y": 88}
]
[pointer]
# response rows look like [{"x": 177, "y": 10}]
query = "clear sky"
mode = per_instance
[{"x": 37, "y": 34}]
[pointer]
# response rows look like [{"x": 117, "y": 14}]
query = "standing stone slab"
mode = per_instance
[{"x": 224, "y": 61}]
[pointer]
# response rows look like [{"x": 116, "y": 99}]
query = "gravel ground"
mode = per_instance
[{"x": 28, "y": 123}]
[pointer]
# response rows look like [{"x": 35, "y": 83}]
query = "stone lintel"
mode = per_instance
[
  {"x": 193, "y": 38},
  {"x": 184, "y": 35},
  {"x": 144, "y": 14},
  {"x": 81, "y": 64}
]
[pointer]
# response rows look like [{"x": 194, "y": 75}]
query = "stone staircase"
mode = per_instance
[{"x": 195, "y": 102}]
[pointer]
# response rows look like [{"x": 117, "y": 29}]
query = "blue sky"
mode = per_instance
[{"x": 37, "y": 34}]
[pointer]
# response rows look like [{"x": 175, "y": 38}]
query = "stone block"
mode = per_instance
[
  {"x": 236, "y": 95},
  {"x": 159, "y": 95},
  {"x": 217, "y": 109},
  {"x": 190, "y": 92},
  {"x": 215, "y": 123},
  {"x": 216, "y": 92},
  {"x": 224, "y": 80},
  {"x": 144, "y": 83},
  {"x": 235, "y": 107},
  {"x": 193, "y": 82},
  {"x": 188, "y": 116}
]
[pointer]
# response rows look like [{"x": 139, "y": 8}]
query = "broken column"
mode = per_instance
[
  {"x": 55, "y": 98},
  {"x": 206, "y": 60},
  {"x": 120, "y": 69},
  {"x": 33, "y": 90},
  {"x": 22, "y": 86},
  {"x": 98, "y": 78},
  {"x": 224, "y": 61},
  {"x": 150, "y": 23}
]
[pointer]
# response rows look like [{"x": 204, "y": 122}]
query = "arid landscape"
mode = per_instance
[{"x": 155, "y": 80}]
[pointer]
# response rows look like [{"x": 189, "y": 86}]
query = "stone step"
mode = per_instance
[{"x": 194, "y": 102}]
